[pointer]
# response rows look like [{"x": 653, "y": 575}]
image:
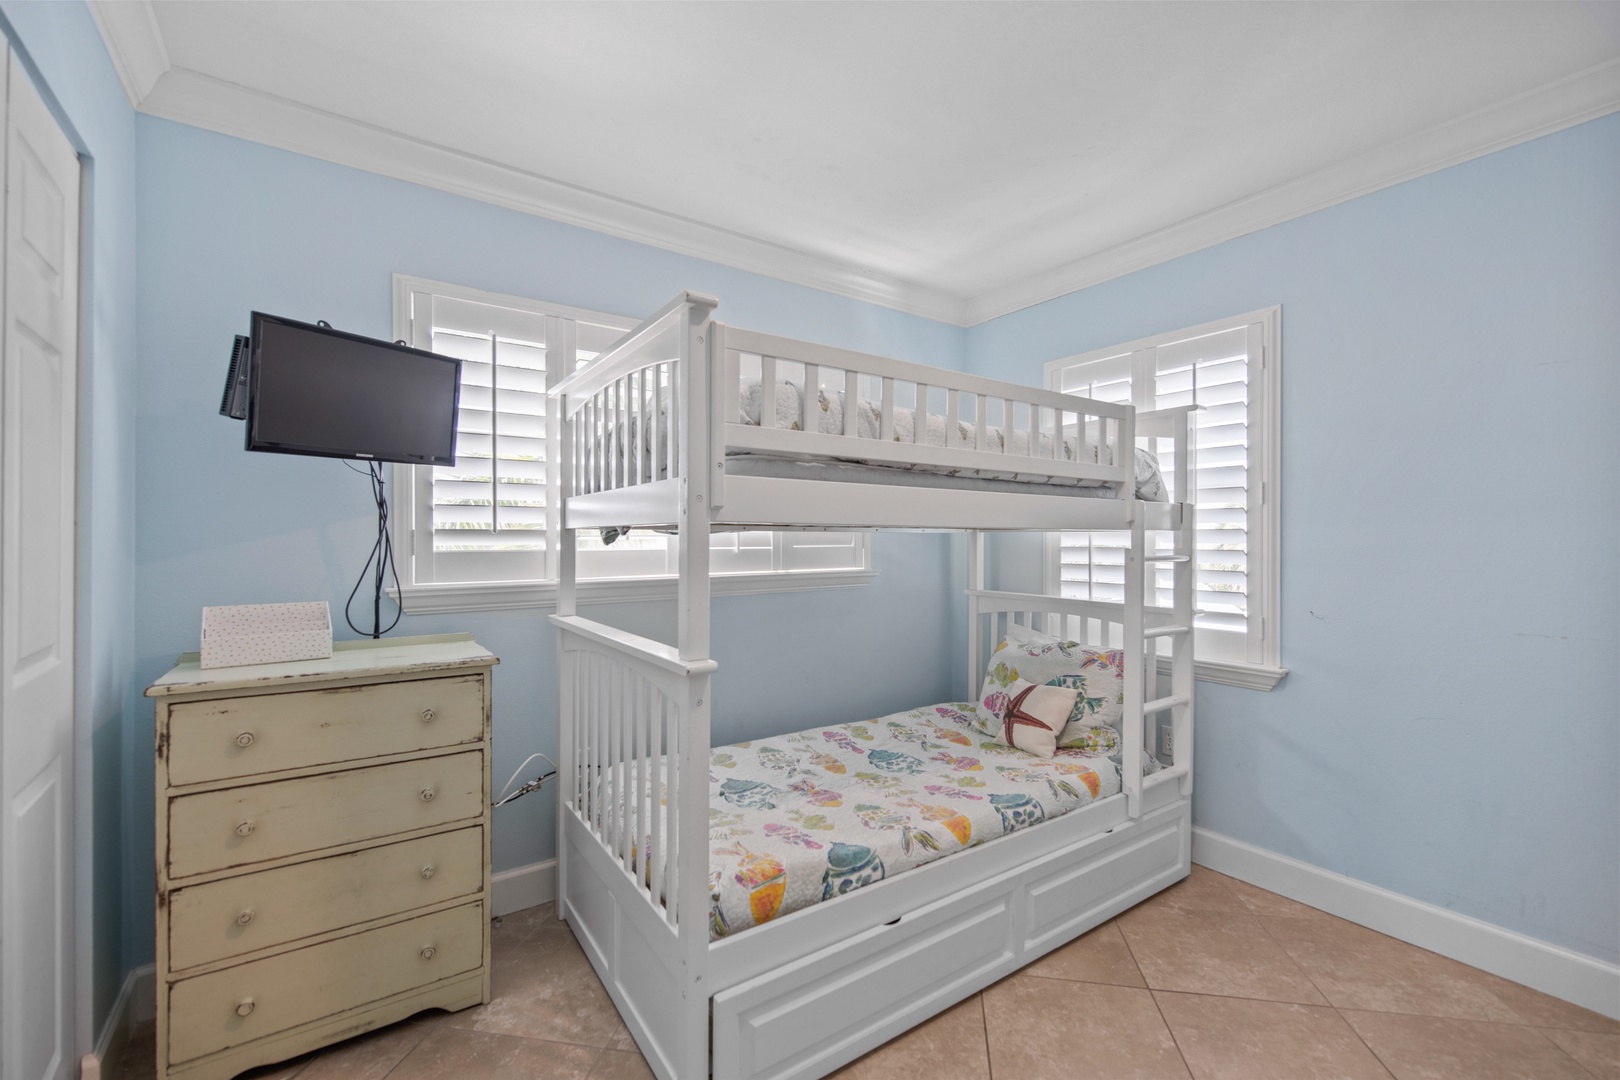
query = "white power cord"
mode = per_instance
[{"x": 533, "y": 785}]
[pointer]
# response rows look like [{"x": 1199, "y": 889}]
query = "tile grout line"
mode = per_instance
[
  {"x": 1477, "y": 1020},
  {"x": 1172, "y": 990},
  {"x": 1168, "y": 1030},
  {"x": 1517, "y": 1018},
  {"x": 415, "y": 1046},
  {"x": 1345, "y": 1020},
  {"x": 1578, "y": 1064},
  {"x": 984, "y": 1020},
  {"x": 1516, "y": 1021},
  {"x": 1382, "y": 1064},
  {"x": 1284, "y": 950}
]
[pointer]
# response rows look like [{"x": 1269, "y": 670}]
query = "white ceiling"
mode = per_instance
[{"x": 959, "y": 160}]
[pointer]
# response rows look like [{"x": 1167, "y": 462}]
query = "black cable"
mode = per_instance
[{"x": 382, "y": 555}]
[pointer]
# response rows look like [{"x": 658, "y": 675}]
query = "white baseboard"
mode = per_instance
[
  {"x": 1563, "y": 973},
  {"x": 523, "y": 887},
  {"x": 136, "y": 1002}
]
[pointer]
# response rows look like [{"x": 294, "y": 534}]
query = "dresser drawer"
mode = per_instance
[
  {"x": 216, "y": 830},
  {"x": 244, "y": 736},
  {"x": 272, "y": 907},
  {"x": 226, "y": 1008}
]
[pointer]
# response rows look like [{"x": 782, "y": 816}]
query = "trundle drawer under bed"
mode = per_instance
[{"x": 810, "y": 1016}]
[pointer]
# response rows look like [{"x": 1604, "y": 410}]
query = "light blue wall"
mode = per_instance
[
  {"x": 62, "y": 49},
  {"x": 1451, "y": 532},
  {"x": 229, "y": 226},
  {"x": 1449, "y": 729}
]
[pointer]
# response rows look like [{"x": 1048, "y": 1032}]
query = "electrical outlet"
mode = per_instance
[{"x": 1167, "y": 742}]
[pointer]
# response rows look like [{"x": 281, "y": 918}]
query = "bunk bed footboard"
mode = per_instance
[{"x": 633, "y": 843}]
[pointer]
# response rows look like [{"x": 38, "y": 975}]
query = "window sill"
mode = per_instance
[
  {"x": 1248, "y": 676},
  {"x": 440, "y": 599}
]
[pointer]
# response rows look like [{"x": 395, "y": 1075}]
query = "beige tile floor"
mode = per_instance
[{"x": 1211, "y": 979}]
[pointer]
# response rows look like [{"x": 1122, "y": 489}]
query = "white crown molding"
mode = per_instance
[
  {"x": 154, "y": 86},
  {"x": 130, "y": 30},
  {"x": 1584, "y": 96},
  {"x": 203, "y": 101}
]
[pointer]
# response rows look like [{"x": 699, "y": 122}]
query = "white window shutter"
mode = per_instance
[
  {"x": 485, "y": 519},
  {"x": 1218, "y": 367},
  {"x": 799, "y": 551},
  {"x": 1212, "y": 371}
]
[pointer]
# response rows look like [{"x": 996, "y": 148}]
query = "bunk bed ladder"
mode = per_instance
[{"x": 1182, "y": 560}]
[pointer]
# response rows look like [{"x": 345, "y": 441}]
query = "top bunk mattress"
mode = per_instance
[{"x": 856, "y": 468}]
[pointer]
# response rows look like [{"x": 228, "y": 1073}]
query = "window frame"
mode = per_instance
[
  {"x": 1261, "y": 668},
  {"x": 410, "y": 484}
]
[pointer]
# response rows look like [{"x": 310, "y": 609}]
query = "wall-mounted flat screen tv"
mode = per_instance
[{"x": 316, "y": 390}]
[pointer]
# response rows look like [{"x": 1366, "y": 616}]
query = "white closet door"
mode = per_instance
[{"x": 38, "y": 407}]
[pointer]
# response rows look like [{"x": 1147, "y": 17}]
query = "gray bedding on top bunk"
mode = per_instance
[
  {"x": 856, "y": 469},
  {"x": 1149, "y": 483}
]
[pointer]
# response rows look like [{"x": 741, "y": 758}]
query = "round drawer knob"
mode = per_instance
[
  {"x": 245, "y": 1008},
  {"x": 427, "y": 953},
  {"x": 245, "y": 918},
  {"x": 245, "y": 829},
  {"x": 428, "y": 872},
  {"x": 428, "y": 794},
  {"x": 428, "y": 715},
  {"x": 245, "y": 739}
]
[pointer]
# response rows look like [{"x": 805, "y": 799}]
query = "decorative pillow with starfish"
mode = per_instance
[{"x": 1031, "y": 716}]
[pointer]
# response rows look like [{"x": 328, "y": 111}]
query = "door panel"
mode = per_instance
[
  {"x": 38, "y": 436},
  {"x": 38, "y": 382}
]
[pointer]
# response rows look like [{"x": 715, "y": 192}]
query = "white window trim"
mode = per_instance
[
  {"x": 1265, "y": 671},
  {"x": 436, "y": 598}
]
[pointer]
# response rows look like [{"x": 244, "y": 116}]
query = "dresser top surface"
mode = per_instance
[{"x": 349, "y": 659}]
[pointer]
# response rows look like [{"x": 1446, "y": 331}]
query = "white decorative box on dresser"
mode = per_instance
[{"x": 322, "y": 848}]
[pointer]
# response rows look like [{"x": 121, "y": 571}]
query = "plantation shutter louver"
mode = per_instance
[
  {"x": 484, "y": 518},
  {"x": 494, "y": 497},
  {"x": 1213, "y": 372},
  {"x": 1216, "y": 367},
  {"x": 1091, "y": 565}
]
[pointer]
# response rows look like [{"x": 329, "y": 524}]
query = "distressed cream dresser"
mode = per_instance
[{"x": 322, "y": 848}]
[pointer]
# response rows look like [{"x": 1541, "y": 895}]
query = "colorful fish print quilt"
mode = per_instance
[{"x": 808, "y": 816}]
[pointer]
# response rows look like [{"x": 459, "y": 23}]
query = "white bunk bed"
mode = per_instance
[{"x": 654, "y": 432}]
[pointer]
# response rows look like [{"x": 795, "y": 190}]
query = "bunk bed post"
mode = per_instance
[
  {"x": 561, "y": 347},
  {"x": 1182, "y": 663},
  {"x": 724, "y": 385},
  {"x": 1136, "y": 674},
  {"x": 691, "y": 1052},
  {"x": 975, "y": 584}
]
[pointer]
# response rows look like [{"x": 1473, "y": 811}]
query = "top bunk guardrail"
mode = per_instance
[
  {"x": 626, "y": 413},
  {"x": 790, "y": 398}
]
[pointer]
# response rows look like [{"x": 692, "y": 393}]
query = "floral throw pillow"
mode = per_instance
[
  {"x": 1098, "y": 739},
  {"x": 1031, "y": 716},
  {"x": 1096, "y": 676}
]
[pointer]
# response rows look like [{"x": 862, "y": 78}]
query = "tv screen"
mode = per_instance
[{"x": 315, "y": 390}]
